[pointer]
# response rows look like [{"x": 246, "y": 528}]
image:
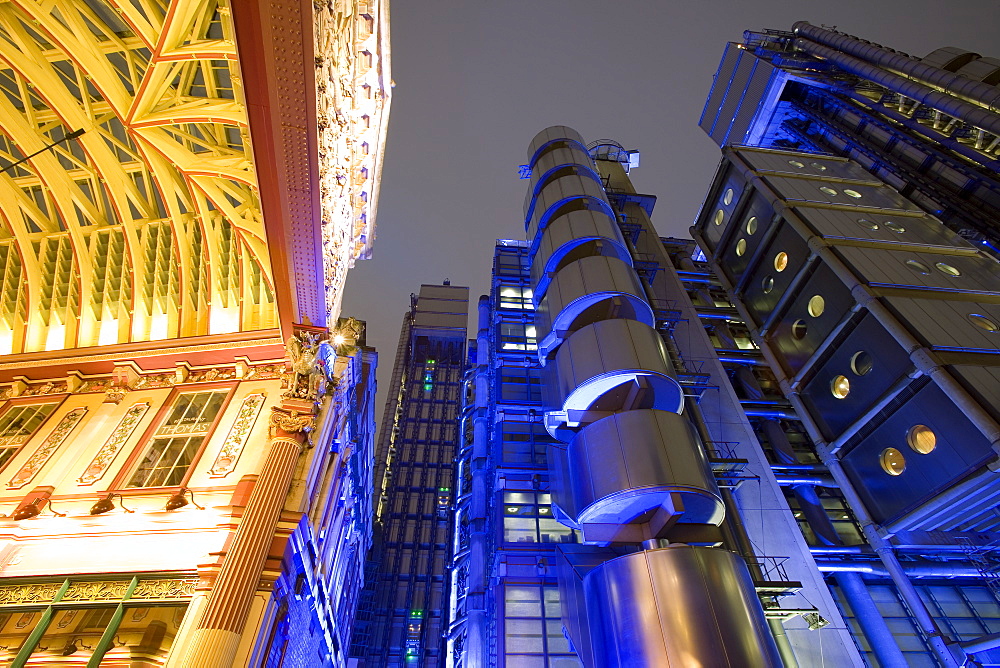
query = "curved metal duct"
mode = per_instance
[
  {"x": 615, "y": 365},
  {"x": 587, "y": 291},
  {"x": 562, "y": 196},
  {"x": 635, "y": 474},
  {"x": 552, "y": 175},
  {"x": 551, "y": 135},
  {"x": 564, "y": 156},
  {"x": 572, "y": 237},
  {"x": 677, "y": 607}
]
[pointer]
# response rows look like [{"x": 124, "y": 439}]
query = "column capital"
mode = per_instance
[{"x": 289, "y": 424}]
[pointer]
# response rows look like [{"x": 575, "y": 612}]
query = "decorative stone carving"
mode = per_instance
[
  {"x": 164, "y": 589},
  {"x": 154, "y": 380},
  {"x": 226, "y": 460},
  {"x": 44, "y": 451},
  {"x": 114, "y": 444},
  {"x": 96, "y": 591},
  {"x": 285, "y": 423},
  {"x": 28, "y": 593},
  {"x": 306, "y": 379}
]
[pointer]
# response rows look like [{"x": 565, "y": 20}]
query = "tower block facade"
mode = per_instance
[{"x": 186, "y": 423}]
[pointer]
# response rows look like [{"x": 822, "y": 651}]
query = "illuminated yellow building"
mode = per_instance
[{"x": 185, "y": 451}]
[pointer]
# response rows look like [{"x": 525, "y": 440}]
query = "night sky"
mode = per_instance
[{"x": 477, "y": 79}]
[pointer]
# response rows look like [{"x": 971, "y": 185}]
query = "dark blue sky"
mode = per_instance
[{"x": 476, "y": 79}]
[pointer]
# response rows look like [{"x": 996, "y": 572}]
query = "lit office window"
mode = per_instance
[
  {"x": 527, "y": 518},
  {"x": 533, "y": 635},
  {"x": 18, "y": 424},
  {"x": 516, "y": 298},
  {"x": 178, "y": 440},
  {"x": 518, "y": 336}
]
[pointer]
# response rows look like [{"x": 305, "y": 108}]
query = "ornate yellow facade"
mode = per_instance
[{"x": 184, "y": 453}]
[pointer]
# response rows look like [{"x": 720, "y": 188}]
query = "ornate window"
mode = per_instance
[
  {"x": 18, "y": 424},
  {"x": 178, "y": 439}
]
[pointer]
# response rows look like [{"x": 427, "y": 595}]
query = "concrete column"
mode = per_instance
[{"x": 217, "y": 638}]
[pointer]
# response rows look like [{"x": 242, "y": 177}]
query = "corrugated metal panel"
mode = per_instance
[
  {"x": 756, "y": 90},
  {"x": 734, "y": 97},
  {"x": 719, "y": 87}
]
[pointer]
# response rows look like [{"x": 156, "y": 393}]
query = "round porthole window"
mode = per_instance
[
  {"x": 780, "y": 261},
  {"x": 741, "y": 247},
  {"x": 861, "y": 363},
  {"x": 816, "y": 306},
  {"x": 796, "y": 163},
  {"x": 921, "y": 439},
  {"x": 799, "y": 329},
  {"x": 827, "y": 190},
  {"x": 727, "y": 199},
  {"x": 767, "y": 284},
  {"x": 892, "y": 461},
  {"x": 719, "y": 215},
  {"x": 895, "y": 227},
  {"x": 918, "y": 266},
  {"x": 840, "y": 387},
  {"x": 752, "y": 225},
  {"x": 820, "y": 167},
  {"x": 984, "y": 322},
  {"x": 852, "y": 193},
  {"x": 947, "y": 269},
  {"x": 868, "y": 224}
]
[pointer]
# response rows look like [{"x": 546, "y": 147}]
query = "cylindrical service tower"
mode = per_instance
[{"x": 651, "y": 584}]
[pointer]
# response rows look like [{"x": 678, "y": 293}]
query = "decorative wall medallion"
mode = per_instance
[
  {"x": 114, "y": 444},
  {"x": 236, "y": 439},
  {"x": 47, "y": 448}
]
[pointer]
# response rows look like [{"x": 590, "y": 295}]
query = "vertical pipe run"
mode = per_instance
[{"x": 870, "y": 619}]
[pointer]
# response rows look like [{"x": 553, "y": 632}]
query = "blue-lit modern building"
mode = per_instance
[
  {"x": 928, "y": 127},
  {"x": 402, "y": 613},
  {"x": 774, "y": 446}
]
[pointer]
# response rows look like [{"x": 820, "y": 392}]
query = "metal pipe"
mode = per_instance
[
  {"x": 965, "y": 111},
  {"x": 748, "y": 361},
  {"x": 928, "y": 627},
  {"x": 786, "y": 414},
  {"x": 871, "y": 621},
  {"x": 817, "y": 481},
  {"x": 917, "y": 570},
  {"x": 977, "y": 155},
  {"x": 962, "y": 87}
]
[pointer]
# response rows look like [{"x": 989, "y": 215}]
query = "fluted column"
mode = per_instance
[{"x": 218, "y": 635}]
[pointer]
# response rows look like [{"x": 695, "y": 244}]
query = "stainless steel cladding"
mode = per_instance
[
  {"x": 615, "y": 365},
  {"x": 677, "y": 606},
  {"x": 587, "y": 291},
  {"x": 637, "y": 474},
  {"x": 573, "y": 236}
]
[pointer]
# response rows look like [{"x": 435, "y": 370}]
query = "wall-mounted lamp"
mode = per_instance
[
  {"x": 73, "y": 646},
  {"x": 179, "y": 500},
  {"x": 107, "y": 504},
  {"x": 27, "y": 511}
]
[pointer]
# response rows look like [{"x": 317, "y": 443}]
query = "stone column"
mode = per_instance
[{"x": 218, "y": 634}]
